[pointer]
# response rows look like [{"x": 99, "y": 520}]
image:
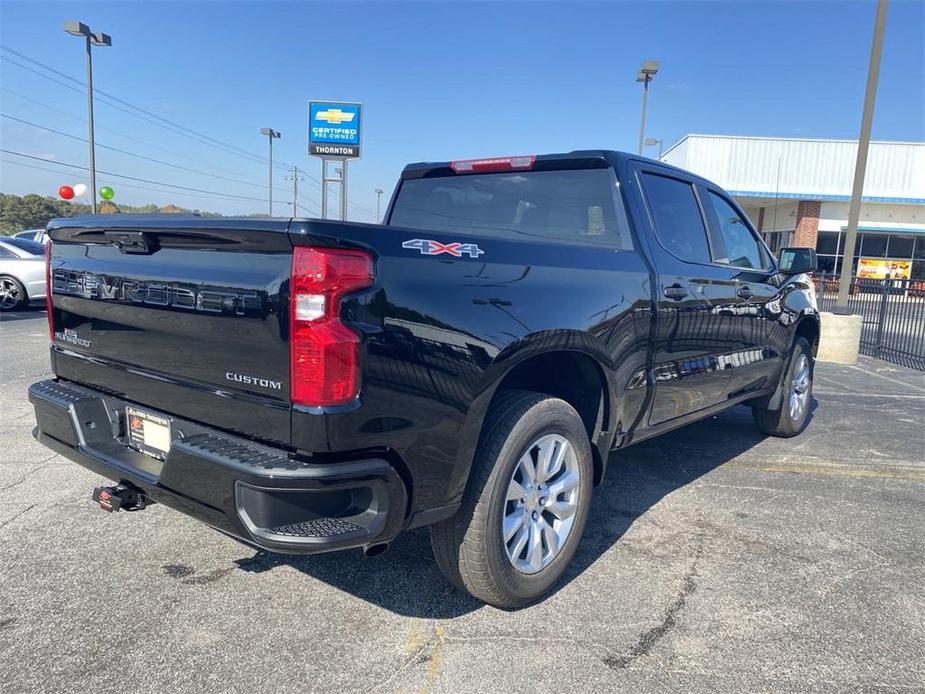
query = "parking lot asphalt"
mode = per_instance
[{"x": 715, "y": 560}]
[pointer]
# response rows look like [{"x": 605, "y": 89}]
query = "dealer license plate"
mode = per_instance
[{"x": 148, "y": 432}]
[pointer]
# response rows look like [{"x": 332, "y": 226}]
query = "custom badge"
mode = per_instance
[{"x": 455, "y": 249}]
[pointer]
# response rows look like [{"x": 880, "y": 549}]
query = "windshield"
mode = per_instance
[
  {"x": 574, "y": 205},
  {"x": 30, "y": 247}
]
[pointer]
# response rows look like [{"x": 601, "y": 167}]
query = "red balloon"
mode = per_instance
[{"x": 66, "y": 192}]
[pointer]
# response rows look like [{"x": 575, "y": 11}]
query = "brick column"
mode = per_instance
[{"x": 807, "y": 228}]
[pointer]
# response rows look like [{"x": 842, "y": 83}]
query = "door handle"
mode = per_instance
[
  {"x": 675, "y": 291},
  {"x": 745, "y": 293}
]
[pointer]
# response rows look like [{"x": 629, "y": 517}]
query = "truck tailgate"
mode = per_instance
[{"x": 190, "y": 320}]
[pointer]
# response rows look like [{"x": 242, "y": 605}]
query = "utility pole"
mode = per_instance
[
  {"x": 92, "y": 39},
  {"x": 379, "y": 193},
  {"x": 295, "y": 176},
  {"x": 271, "y": 135},
  {"x": 860, "y": 167}
]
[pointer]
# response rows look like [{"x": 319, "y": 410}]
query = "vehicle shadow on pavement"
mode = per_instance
[
  {"x": 29, "y": 313},
  {"x": 405, "y": 580}
]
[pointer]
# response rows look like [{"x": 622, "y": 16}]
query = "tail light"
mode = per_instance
[
  {"x": 493, "y": 165},
  {"x": 49, "y": 302},
  {"x": 324, "y": 353}
]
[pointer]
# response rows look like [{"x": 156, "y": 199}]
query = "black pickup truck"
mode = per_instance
[{"x": 307, "y": 385}]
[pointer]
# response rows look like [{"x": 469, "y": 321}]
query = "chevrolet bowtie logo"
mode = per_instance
[{"x": 334, "y": 116}]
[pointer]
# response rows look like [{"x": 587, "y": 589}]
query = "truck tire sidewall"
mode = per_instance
[
  {"x": 777, "y": 422},
  {"x": 800, "y": 347},
  {"x": 551, "y": 416}
]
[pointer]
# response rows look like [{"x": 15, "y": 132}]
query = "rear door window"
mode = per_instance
[
  {"x": 579, "y": 206},
  {"x": 679, "y": 224}
]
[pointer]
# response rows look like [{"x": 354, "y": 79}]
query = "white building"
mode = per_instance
[{"x": 797, "y": 192}]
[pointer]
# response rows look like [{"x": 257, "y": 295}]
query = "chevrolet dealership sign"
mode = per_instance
[{"x": 334, "y": 129}]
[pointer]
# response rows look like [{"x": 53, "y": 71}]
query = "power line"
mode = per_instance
[
  {"x": 147, "y": 116},
  {"x": 132, "y": 178},
  {"x": 130, "y": 105},
  {"x": 132, "y": 154},
  {"x": 10, "y": 162},
  {"x": 141, "y": 113},
  {"x": 116, "y": 132}
]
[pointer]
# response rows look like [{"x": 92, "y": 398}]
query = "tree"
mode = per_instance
[{"x": 32, "y": 211}]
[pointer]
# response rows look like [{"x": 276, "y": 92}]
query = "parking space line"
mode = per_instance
[{"x": 896, "y": 472}]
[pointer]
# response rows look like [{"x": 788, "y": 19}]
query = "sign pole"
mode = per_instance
[
  {"x": 343, "y": 191},
  {"x": 324, "y": 188},
  {"x": 334, "y": 134}
]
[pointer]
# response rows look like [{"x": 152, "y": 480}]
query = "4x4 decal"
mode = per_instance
[{"x": 431, "y": 247}]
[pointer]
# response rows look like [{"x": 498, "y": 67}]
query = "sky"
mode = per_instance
[{"x": 438, "y": 81}]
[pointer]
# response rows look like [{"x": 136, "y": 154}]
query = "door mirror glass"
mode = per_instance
[{"x": 795, "y": 261}]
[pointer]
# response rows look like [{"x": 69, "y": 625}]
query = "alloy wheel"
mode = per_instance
[
  {"x": 799, "y": 389},
  {"x": 541, "y": 503},
  {"x": 10, "y": 295}
]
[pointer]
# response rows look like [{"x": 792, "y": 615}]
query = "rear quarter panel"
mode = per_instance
[{"x": 440, "y": 333}]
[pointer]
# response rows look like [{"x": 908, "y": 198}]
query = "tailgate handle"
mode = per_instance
[{"x": 136, "y": 242}]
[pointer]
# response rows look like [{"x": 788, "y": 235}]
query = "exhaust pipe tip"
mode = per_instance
[{"x": 375, "y": 550}]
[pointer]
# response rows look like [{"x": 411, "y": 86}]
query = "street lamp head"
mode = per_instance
[
  {"x": 647, "y": 71},
  {"x": 76, "y": 28},
  {"x": 100, "y": 40},
  {"x": 270, "y": 132},
  {"x": 651, "y": 142}
]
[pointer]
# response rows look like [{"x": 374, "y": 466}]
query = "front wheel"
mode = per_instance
[
  {"x": 791, "y": 417},
  {"x": 12, "y": 294},
  {"x": 526, "y": 504}
]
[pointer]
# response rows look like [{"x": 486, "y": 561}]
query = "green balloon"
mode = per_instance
[{"x": 106, "y": 193}]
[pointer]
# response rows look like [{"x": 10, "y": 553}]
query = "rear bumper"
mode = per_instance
[{"x": 259, "y": 494}]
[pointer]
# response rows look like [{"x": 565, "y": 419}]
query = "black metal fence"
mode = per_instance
[{"x": 893, "y": 312}]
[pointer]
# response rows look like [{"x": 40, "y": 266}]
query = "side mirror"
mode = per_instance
[{"x": 796, "y": 261}]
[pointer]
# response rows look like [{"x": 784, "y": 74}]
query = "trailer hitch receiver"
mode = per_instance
[{"x": 120, "y": 498}]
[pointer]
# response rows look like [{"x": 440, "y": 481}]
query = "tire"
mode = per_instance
[
  {"x": 789, "y": 419},
  {"x": 12, "y": 294},
  {"x": 470, "y": 548}
]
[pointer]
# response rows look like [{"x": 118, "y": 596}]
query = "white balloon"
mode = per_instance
[{"x": 80, "y": 189}]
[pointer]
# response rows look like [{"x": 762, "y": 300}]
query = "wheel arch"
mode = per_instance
[
  {"x": 808, "y": 327},
  {"x": 567, "y": 366}
]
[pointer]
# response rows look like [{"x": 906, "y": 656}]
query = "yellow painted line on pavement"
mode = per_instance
[{"x": 914, "y": 473}]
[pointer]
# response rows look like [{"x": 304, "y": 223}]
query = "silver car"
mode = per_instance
[{"x": 22, "y": 273}]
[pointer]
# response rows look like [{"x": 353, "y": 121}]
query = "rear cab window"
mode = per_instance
[
  {"x": 679, "y": 225},
  {"x": 574, "y": 205}
]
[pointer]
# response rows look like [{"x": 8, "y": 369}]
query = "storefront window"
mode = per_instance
[
  {"x": 874, "y": 245},
  {"x": 827, "y": 243},
  {"x": 830, "y": 246},
  {"x": 900, "y": 246},
  {"x": 919, "y": 251}
]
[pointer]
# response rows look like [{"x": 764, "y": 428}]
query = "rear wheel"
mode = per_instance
[
  {"x": 791, "y": 417},
  {"x": 526, "y": 505},
  {"x": 12, "y": 294}
]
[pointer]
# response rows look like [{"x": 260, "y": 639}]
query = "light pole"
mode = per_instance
[
  {"x": 379, "y": 193},
  {"x": 100, "y": 40},
  {"x": 271, "y": 135},
  {"x": 651, "y": 142},
  {"x": 860, "y": 167},
  {"x": 645, "y": 75}
]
